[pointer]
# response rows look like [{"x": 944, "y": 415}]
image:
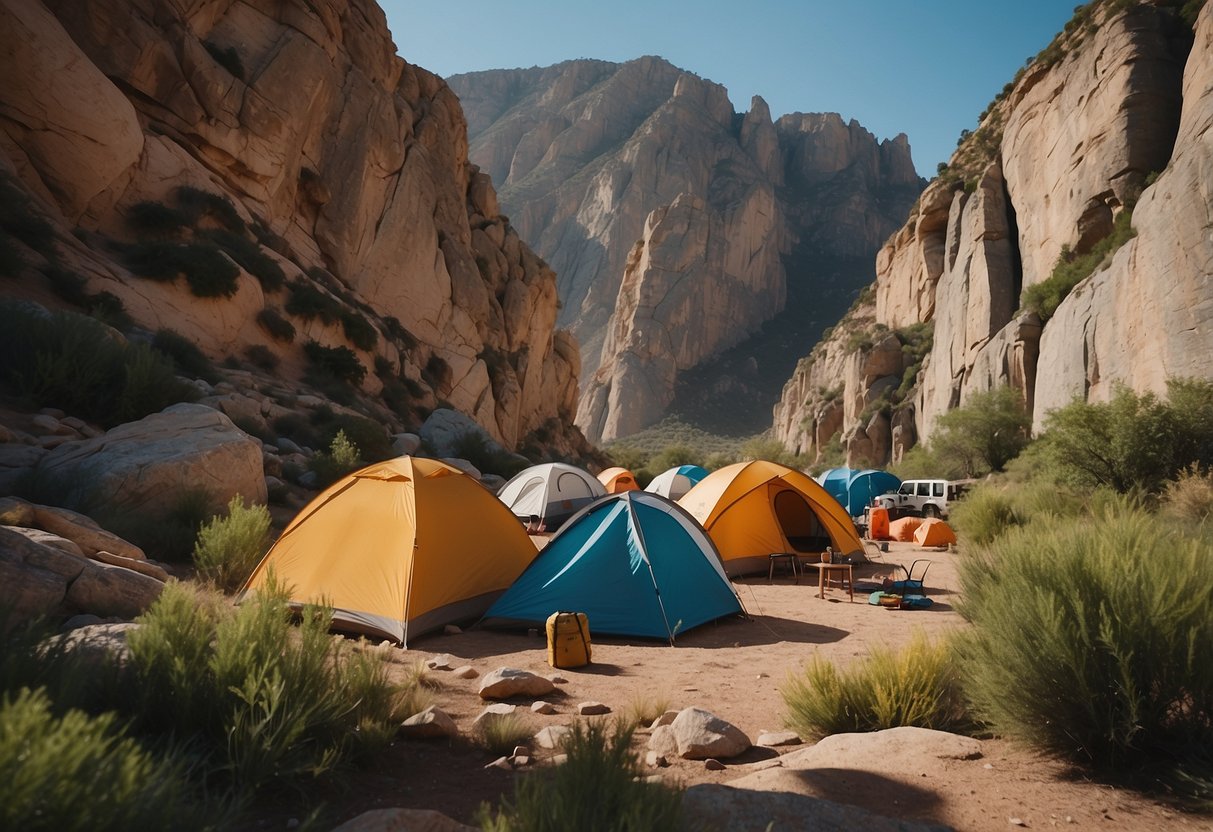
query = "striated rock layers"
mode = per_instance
[
  {"x": 677, "y": 226},
  {"x": 288, "y": 140},
  {"x": 1113, "y": 117}
]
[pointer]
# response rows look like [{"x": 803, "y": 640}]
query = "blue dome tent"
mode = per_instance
[
  {"x": 855, "y": 489},
  {"x": 634, "y": 562}
]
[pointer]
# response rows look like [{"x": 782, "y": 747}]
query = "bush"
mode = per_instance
[
  {"x": 18, "y": 220},
  {"x": 76, "y": 772},
  {"x": 1129, "y": 443},
  {"x": 207, "y": 271},
  {"x": 250, "y": 257},
  {"x": 984, "y": 434},
  {"x": 984, "y": 514},
  {"x": 1043, "y": 298},
  {"x": 185, "y": 355},
  {"x": 643, "y": 711},
  {"x": 359, "y": 330},
  {"x": 167, "y": 535},
  {"x": 599, "y": 788},
  {"x": 199, "y": 204},
  {"x": 1084, "y": 634},
  {"x": 157, "y": 219},
  {"x": 917, "y": 686},
  {"x": 74, "y": 363},
  {"x": 338, "y": 362},
  {"x": 261, "y": 357},
  {"x": 262, "y": 701},
  {"x": 342, "y": 458},
  {"x": 308, "y": 302},
  {"x": 502, "y": 733},
  {"x": 1189, "y": 499},
  {"x": 278, "y": 327},
  {"x": 227, "y": 549},
  {"x": 490, "y": 458}
]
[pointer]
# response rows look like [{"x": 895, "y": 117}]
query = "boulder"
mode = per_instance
[
  {"x": 593, "y": 709},
  {"x": 505, "y": 682},
  {"x": 100, "y": 644},
  {"x": 698, "y": 734},
  {"x": 84, "y": 532},
  {"x": 495, "y": 711},
  {"x": 17, "y": 461},
  {"x": 773, "y": 739},
  {"x": 108, "y": 590},
  {"x": 432, "y": 722},
  {"x": 553, "y": 736},
  {"x": 145, "y": 466},
  {"x": 48, "y": 539}
]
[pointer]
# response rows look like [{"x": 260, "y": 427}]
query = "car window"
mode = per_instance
[
  {"x": 924, "y": 489},
  {"x": 938, "y": 488},
  {"x": 906, "y": 488}
]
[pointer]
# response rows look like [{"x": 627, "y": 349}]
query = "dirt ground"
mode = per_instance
[{"x": 734, "y": 668}]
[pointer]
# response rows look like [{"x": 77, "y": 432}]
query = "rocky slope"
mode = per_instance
[
  {"x": 1112, "y": 118},
  {"x": 677, "y": 227},
  {"x": 310, "y": 184}
]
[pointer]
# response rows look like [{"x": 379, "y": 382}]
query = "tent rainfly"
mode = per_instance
[
  {"x": 934, "y": 532},
  {"x": 754, "y": 509},
  {"x": 398, "y": 548},
  {"x": 553, "y": 492},
  {"x": 635, "y": 563},
  {"x": 855, "y": 489}
]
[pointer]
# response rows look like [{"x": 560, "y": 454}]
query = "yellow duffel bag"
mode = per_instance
[{"x": 568, "y": 639}]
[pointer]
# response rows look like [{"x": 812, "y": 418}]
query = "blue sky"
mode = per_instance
[{"x": 925, "y": 68}]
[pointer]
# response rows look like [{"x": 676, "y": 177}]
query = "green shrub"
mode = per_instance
[
  {"x": 1189, "y": 498},
  {"x": 250, "y": 257},
  {"x": 189, "y": 360},
  {"x": 74, "y": 363},
  {"x": 278, "y": 327},
  {"x": 76, "y": 772},
  {"x": 338, "y": 362},
  {"x": 199, "y": 204},
  {"x": 1125, "y": 444},
  {"x": 917, "y": 686},
  {"x": 674, "y": 456},
  {"x": 207, "y": 271},
  {"x": 261, "y": 700},
  {"x": 261, "y": 357},
  {"x": 342, "y": 458},
  {"x": 157, "y": 219},
  {"x": 1084, "y": 639},
  {"x": 598, "y": 789},
  {"x": 18, "y": 220},
  {"x": 489, "y": 458},
  {"x": 1043, "y": 298},
  {"x": 108, "y": 308},
  {"x": 502, "y": 733},
  {"x": 227, "y": 549},
  {"x": 984, "y": 514},
  {"x": 307, "y": 302},
  {"x": 984, "y": 434},
  {"x": 643, "y": 711},
  {"x": 359, "y": 330}
]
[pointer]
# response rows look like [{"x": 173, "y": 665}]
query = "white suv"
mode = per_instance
[{"x": 926, "y": 497}]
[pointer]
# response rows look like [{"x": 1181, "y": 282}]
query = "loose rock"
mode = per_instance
[{"x": 505, "y": 682}]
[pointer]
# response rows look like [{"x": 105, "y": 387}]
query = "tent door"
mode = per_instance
[{"x": 797, "y": 520}]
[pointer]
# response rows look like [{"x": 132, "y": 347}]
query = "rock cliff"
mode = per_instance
[
  {"x": 1106, "y": 129},
  {"x": 309, "y": 184},
  {"x": 677, "y": 227}
]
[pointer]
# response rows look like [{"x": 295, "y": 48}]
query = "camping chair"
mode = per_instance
[{"x": 913, "y": 583}]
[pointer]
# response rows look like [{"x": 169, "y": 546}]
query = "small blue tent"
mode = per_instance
[
  {"x": 855, "y": 489},
  {"x": 635, "y": 563}
]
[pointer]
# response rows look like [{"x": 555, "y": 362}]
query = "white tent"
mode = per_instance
[
  {"x": 553, "y": 492},
  {"x": 676, "y": 481}
]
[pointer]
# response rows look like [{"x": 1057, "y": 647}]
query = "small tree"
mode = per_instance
[{"x": 985, "y": 434}]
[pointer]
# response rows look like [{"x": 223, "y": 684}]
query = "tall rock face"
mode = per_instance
[
  {"x": 677, "y": 227},
  {"x": 332, "y": 172},
  {"x": 1112, "y": 117}
]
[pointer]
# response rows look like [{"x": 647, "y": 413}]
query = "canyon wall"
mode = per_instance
[
  {"x": 1110, "y": 122},
  {"x": 291, "y": 140}
]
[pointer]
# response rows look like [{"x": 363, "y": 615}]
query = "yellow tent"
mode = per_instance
[
  {"x": 934, "y": 532},
  {"x": 398, "y": 548},
  {"x": 617, "y": 480},
  {"x": 754, "y": 509}
]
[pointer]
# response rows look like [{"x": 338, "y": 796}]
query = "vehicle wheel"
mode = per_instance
[{"x": 931, "y": 511}]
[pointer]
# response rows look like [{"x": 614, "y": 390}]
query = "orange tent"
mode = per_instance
[
  {"x": 878, "y": 523},
  {"x": 934, "y": 532},
  {"x": 398, "y": 548},
  {"x": 904, "y": 528},
  {"x": 617, "y": 480},
  {"x": 752, "y": 510}
]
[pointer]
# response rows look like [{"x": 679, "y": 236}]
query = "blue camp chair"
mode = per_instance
[{"x": 913, "y": 582}]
